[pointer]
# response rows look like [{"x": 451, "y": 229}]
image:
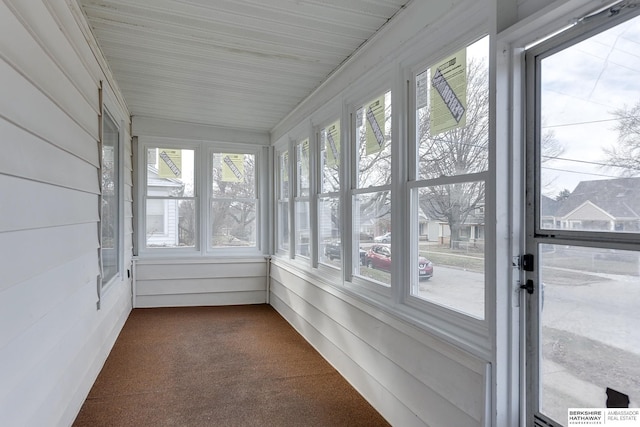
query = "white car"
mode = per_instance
[{"x": 385, "y": 238}]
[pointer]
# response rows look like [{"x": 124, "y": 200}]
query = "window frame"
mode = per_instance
[
  {"x": 298, "y": 198},
  {"x": 415, "y": 183},
  {"x": 319, "y": 195},
  {"x": 280, "y": 238},
  {"x": 374, "y": 86},
  {"x": 258, "y": 154},
  {"x": 202, "y": 197},
  {"x": 118, "y": 158}
]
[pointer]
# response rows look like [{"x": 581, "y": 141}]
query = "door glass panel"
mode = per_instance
[
  {"x": 590, "y": 134},
  {"x": 589, "y": 339}
]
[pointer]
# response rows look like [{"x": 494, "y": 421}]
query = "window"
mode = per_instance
[
  {"x": 329, "y": 244},
  {"x": 110, "y": 200},
  {"x": 371, "y": 183},
  {"x": 301, "y": 198},
  {"x": 170, "y": 198},
  {"x": 448, "y": 192},
  {"x": 283, "y": 231},
  {"x": 233, "y": 200},
  {"x": 200, "y": 197}
]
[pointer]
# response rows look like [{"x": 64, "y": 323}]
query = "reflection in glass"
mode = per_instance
[
  {"x": 109, "y": 218},
  {"x": 283, "y": 201},
  {"x": 372, "y": 217},
  {"x": 373, "y": 142},
  {"x": 330, "y": 158},
  {"x": 451, "y": 228},
  {"x": 303, "y": 229},
  {"x": 588, "y": 303},
  {"x": 170, "y": 172},
  {"x": 302, "y": 169},
  {"x": 590, "y": 134},
  {"x": 461, "y": 148},
  {"x": 283, "y": 225},
  {"x": 170, "y": 223},
  {"x": 233, "y": 223},
  {"x": 233, "y": 206},
  {"x": 330, "y": 249}
]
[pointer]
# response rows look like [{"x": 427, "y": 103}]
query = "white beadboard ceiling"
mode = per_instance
[{"x": 233, "y": 63}]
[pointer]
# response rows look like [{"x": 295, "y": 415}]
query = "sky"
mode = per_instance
[{"x": 581, "y": 87}]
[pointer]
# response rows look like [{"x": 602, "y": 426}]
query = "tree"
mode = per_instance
[
  {"x": 626, "y": 154},
  {"x": 563, "y": 195},
  {"x": 374, "y": 170},
  {"x": 459, "y": 151},
  {"x": 233, "y": 210}
]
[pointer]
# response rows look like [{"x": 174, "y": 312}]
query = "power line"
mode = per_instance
[
  {"x": 581, "y": 173},
  {"x": 607, "y": 165},
  {"x": 586, "y": 123}
]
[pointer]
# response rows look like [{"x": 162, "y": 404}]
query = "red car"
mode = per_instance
[{"x": 379, "y": 257}]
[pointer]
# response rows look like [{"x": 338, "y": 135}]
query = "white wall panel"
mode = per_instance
[
  {"x": 440, "y": 388},
  {"x": 50, "y": 123},
  {"x": 393, "y": 409},
  {"x": 31, "y": 157},
  {"x": 25, "y": 305},
  {"x": 144, "y": 126},
  {"x": 53, "y": 338},
  {"x": 48, "y": 34},
  {"x": 175, "y": 269},
  {"x": 38, "y": 205},
  {"x": 198, "y": 282},
  {"x": 198, "y": 300},
  {"x": 197, "y": 286},
  {"x": 30, "y": 59},
  {"x": 33, "y": 252}
]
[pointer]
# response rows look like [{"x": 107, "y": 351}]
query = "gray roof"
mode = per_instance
[
  {"x": 548, "y": 206},
  {"x": 619, "y": 197}
]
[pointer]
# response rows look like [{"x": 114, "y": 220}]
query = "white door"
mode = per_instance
[{"x": 583, "y": 219}]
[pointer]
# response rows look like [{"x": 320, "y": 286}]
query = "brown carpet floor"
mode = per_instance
[{"x": 219, "y": 366}]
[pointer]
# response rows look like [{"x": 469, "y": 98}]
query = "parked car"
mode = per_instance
[
  {"x": 332, "y": 250},
  {"x": 379, "y": 257},
  {"x": 385, "y": 238},
  {"x": 365, "y": 237}
]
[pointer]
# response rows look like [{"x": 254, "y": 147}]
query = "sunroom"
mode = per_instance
[{"x": 191, "y": 153}]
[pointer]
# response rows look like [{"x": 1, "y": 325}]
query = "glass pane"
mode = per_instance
[
  {"x": 234, "y": 175},
  {"x": 156, "y": 217},
  {"x": 329, "y": 250},
  {"x": 588, "y": 327},
  {"x": 372, "y": 217},
  {"x": 452, "y": 115},
  {"x": 451, "y": 247},
  {"x": 373, "y": 142},
  {"x": 303, "y": 230},
  {"x": 330, "y": 158},
  {"x": 590, "y": 134},
  {"x": 109, "y": 220},
  {"x": 283, "y": 225},
  {"x": 284, "y": 174},
  {"x": 175, "y": 221},
  {"x": 302, "y": 168},
  {"x": 170, "y": 172},
  {"x": 233, "y": 223}
]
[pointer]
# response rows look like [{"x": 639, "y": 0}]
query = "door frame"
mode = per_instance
[{"x": 532, "y": 234}]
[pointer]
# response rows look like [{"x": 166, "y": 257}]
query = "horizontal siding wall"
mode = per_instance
[
  {"x": 412, "y": 378},
  {"x": 53, "y": 339},
  {"x": 200, "y": 282}
]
